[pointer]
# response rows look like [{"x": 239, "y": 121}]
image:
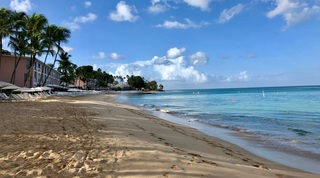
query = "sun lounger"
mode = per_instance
[
  {"x": 3, "y": 96},
  {"x": 16, "y": 97}
]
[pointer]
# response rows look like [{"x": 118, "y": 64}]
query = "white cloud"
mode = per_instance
[
  {"x": 128, "y": 69},
  {"x": 179, "y": 25},
  {"x": 161, "y": 60},
  {"x": 228, "y": 14},
  {"x": 202, "y": 4},
  {"x": 101, "y": 55},
  {"x": 243, "y": 76},
  {"x": 84, "y": 19},
  {"x": 71, "y": 25},
  {"x": 293, "y": 11},
  {"x": 115, "y": 56},
  {"x": 95, "y": 67},
  {"x": 156, "y": 8},
  {"x": 87, "y": 4},
  {"x": 163, "y": 68},
  {"x": 124, "y": 12},
  {"x": 74, "y": 24},
  {"x": 178, "y": 71},
  {"x": 20, "y": 6},
  {"x": 67, "y": 48},
  {"x": 199, "y": 58},
  {"x": 175, "y": 52}
]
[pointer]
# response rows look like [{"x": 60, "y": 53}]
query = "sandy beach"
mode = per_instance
[{"x": 93, "y": 136}]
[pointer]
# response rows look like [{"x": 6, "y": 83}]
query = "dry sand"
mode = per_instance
[{"x": 92, "y": 136}]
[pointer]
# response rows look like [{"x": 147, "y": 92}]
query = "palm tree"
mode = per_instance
[
  {"x": 34, "y": 31},
  {"x": 49, "y": 40},
  {"x": 67, "y": 68},
  {"x": 17, "y": 41},
  {"x": 5, "y": 27},
  {"x": 61, "y": 35},
  {"x": 20, "y": 45},
  {"x": 85, "y": 73}
]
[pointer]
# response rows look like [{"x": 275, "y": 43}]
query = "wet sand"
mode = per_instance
[{"x": 93, "y": 136}]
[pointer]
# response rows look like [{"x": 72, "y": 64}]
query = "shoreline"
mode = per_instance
[
  {"x": 93, "y": 135},
  {"x": 267, "y": 147},
  {"x": 251, "y": 143}
]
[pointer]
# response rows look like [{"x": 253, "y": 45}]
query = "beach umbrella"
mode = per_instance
[
  {"x": 37, "y": 89},
  {"x": 24, "y": 89},
  {"x": 3, "y": 84},
  {"x": 10, "y": 87},
  {"x": 46, "y": 88}
]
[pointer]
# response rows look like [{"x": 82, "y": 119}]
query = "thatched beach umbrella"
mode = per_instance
[
  {"x": 10, "y": 87},
  {"x": 4, "y": 84},
  {"x": 37, "y": 89},
  {"x": 46, "y": 88},
  {"x": 24, "y": 89}
]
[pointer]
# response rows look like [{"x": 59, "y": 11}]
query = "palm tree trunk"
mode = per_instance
[
  {"x": 54, "y": 62},
  {"x": 14, "y": 65},
  {"x": 13, "y": 76},
  {"x": 0, "y": 49},
  {"x": 44, "y": 63},
  {"x": 33, "y": 59}
]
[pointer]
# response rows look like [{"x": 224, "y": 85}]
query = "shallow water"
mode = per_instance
[{"x": 285, "y": 119}]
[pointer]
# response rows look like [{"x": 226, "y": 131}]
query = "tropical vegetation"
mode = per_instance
[{"x": 34, "y": 36}]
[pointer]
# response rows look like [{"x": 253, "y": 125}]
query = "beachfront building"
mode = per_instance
[
  {"x": 91, "y": 84},
  {"x": 7, "y": 66},
  {"x": 79, "y": 83}
]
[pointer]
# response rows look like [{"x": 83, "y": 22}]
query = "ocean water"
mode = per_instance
[{"x": 285, "y": 119}]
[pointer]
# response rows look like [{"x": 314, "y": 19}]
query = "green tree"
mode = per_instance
[
  {"x": 102, "y": 78},
  {"x": 136, "y": 81},
  {"x": 151, "y": 85},
  {"x": 85, "y": 73},
  {"x": 108, "y": 77},
  {"x": 61, "y": 36},
  {"x": 160, "y": 87},
  {"x": 17, "y": 24},
  {"x": 5, "y": 26},
  {"x": 18, "y": 39},
  {"x": 34, "y": 28},
  {"x": 99, "y": 76},
  {"x": 20, "y": 45},
  {"x": 67, "y": 68},
  {"x": 49, "y": 39}
]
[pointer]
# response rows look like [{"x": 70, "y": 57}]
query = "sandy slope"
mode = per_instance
[{"x": 92, "y": 136}]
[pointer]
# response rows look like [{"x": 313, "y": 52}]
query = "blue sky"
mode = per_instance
[{"x": 192, "y": 43}]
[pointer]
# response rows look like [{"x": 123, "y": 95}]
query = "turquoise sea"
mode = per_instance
[{"x": 278, "y": 123}]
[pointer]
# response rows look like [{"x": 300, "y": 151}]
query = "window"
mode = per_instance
[
  {"x": 28, "y": 64},
  {"x": 25, "y": 77},
  {"x": 35, "y": 77}
]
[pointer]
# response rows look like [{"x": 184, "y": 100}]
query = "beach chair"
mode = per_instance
[
  {"x": 23, "y": 96},
  {"x": 28, "y": 96},
  {"x": 3, "y": 97},
  {"x": 16, "y": 97},
  {"x": 37, "y": 95}
]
